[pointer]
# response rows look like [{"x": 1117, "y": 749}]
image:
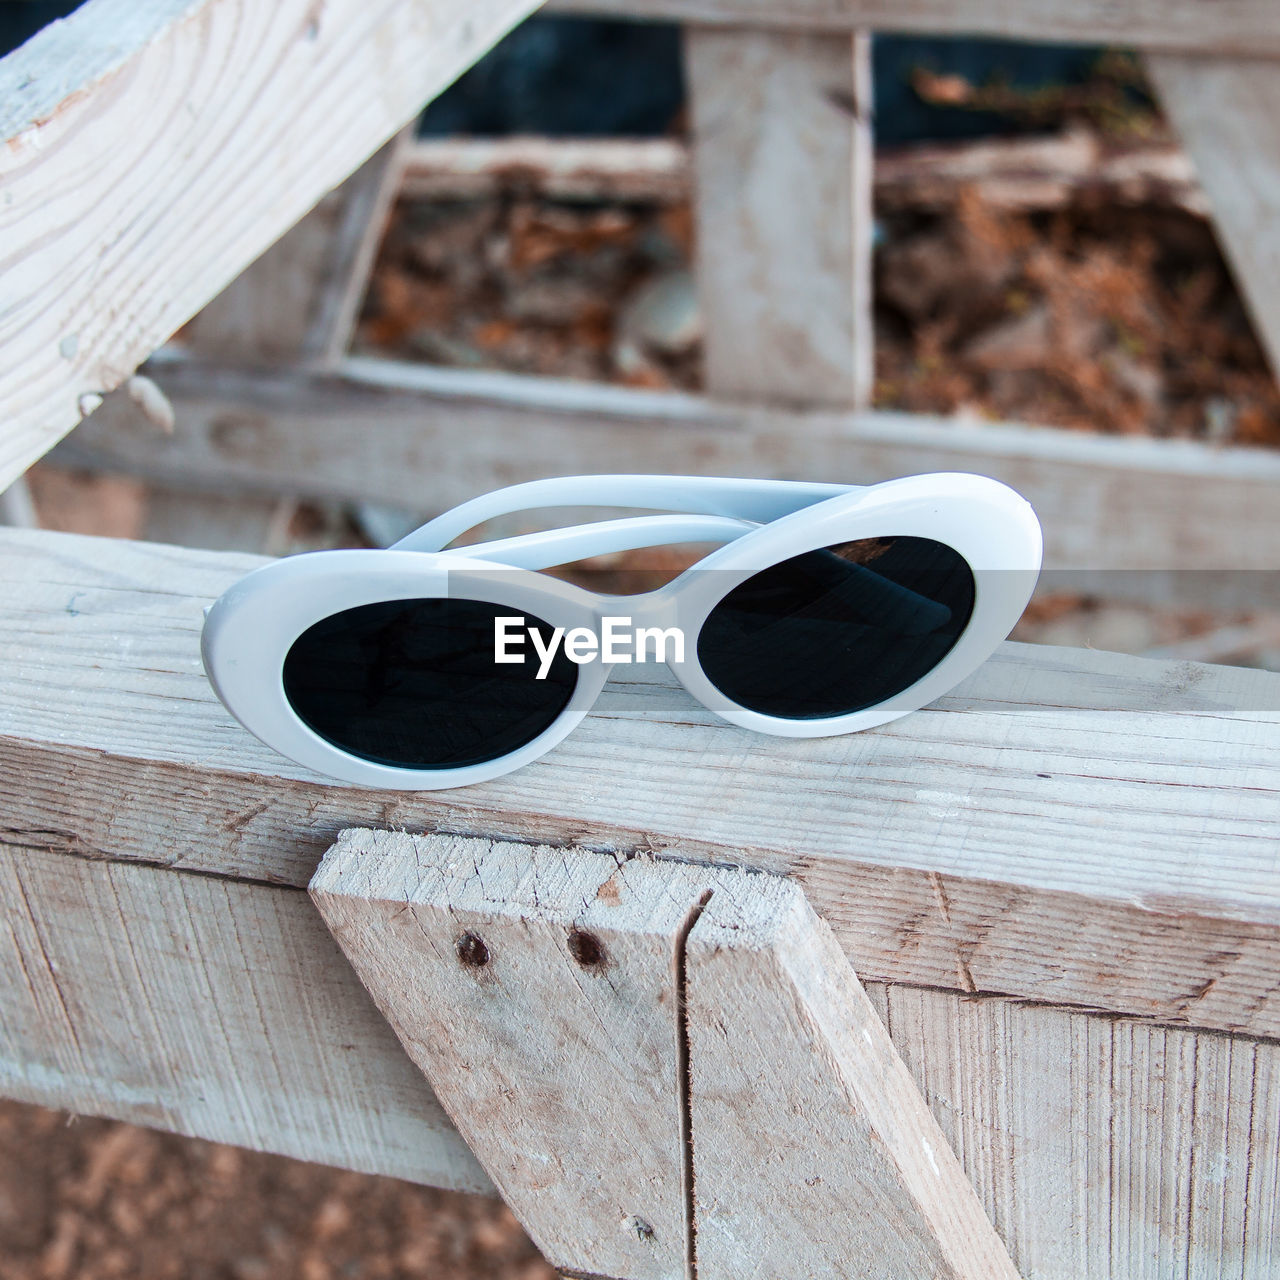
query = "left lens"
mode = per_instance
[
  {"x": 414, "y": 683},
  {"x": 837, "y": 629}
]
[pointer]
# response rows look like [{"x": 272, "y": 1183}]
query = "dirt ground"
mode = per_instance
[{"x": 88, "y": 1199}]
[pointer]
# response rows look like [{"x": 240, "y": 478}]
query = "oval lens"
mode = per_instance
[
  {"x": 838, "y": 629},
  {"x": 414, "y": 683}
]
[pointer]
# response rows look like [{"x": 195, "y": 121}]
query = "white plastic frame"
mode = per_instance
[{"x": 250, "y": 629}]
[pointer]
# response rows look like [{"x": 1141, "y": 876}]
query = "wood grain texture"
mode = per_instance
[
  {"x": 782, "y": 194},
  {"x": 223, "y": 1009},
  {"x": 209, "y": 1007},
  {"x": 299, "y": 300},
  {"x": 1066, "y": 827},
  {"x": 563, "y": 1077},
  {"x": 1247, "y": 27},
  {"x": 134, "y": 131},
  {"x": 1102, "y": 1148},
  {"x": 380, "y": 431},
  {"x": 1227, "y": 113},
  {"x": 814, "y": 1154},
  {"x": 564, "y": 1069}
]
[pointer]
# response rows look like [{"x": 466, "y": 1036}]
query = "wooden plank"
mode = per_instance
[
  {"x": 1072, "y": 1127},
  {"x": 583, "y": 1018},
  {"x": 380, "y": 431},
  {"x": 1021, "y": 175},
  {"x": 1067, "y": 827},
  {"x": 1250, "y": 28},
  {"x": 300, "y": 299},
  {"x": 1103, "y": 1147},
  {"x": 813, "y": 1152},
  {"x": 782, "y": 169},
  {"x": 205, "y": 1005},
  {"x": 134, "y": 131},
  {"x": 626, "y": 169},
  {"x": 1227, "y": 113},
  {"x": 537, "y": 990}
]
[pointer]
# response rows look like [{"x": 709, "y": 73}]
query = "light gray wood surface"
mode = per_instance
[
  {"x": 428, "y": 438},
  {"x": 135, "y": 132},
  {"x": 1066, "y": 827},
  {"x": 1137, "y": 882},
  {"x": 587, "y": 1019},
  {"x": 814, "y": 1154},
  {"x": 1247, "y": 27},
  {"x": 299, "y": 300},
  {"x": 781, "y": 126},
  {"x": 206, "y": 1005},
  {"x": 1227, "y": 113},
  {"x": 562, "y": 1076}
]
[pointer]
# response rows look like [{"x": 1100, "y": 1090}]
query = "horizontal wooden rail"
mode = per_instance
[
  {"x": 1065, "y": 873},
  {"x": 425, "y": 438},
  {"x": 133, "y": 131},
  {"x": 1015, "y": 174},
  {"x": 1067, "y": 827},
  {"x": 1250, "y": 28}
]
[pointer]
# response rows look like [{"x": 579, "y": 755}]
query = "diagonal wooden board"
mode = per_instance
[
  {"x": 649, "y": 1054},
  {"x": 1226, "y": 110},
  {"x": 154, "y": 148}
]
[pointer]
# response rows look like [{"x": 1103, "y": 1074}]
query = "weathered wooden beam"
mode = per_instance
[
  {"x": 668, "y": 1070},
  {"x": 135, "y": 132},
  {"x": 207, "y": 1005},
  {"x": 1066, "y": 827},
  {"x": 781, "y": 127},
  {"x": 1250, "y": 28},
  {"x": 626, "y": 169},
  {"x": 1014, "y": 174},
  {"x": 382, "y": 431}
]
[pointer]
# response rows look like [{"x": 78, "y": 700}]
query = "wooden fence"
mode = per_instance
[{"x": 1059, "y": 884}]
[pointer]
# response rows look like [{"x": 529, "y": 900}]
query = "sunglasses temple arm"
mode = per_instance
[
  {"x": 578, "y": 542},
  {"x": 755, "y": 500}
]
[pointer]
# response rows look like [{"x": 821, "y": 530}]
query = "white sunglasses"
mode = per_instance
[{"x": 829, "y": 608}]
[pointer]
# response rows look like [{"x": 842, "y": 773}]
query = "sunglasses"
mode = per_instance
[{"x": 824, "y": 609}]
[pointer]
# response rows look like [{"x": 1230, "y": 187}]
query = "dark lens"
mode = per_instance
[
  {"x": 413, "y": 683},
  {"x": 837, "y": 629}
]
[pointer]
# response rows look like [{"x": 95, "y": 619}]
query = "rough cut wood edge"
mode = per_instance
[
  {"x": 380, "y": 431},
  {"x": 1067, "y": 827},
  {"x": 1250, "y": 28},
  {"x": 1018, "y": 175},
  {"x": 813, "y": 1151},
  {"x": 781, "y": 126},
  {"x": 298, "y": 301},
  {"x": 564, "y": 1077},
  {"x": 139, "y": 130},
  {"x": 1227, "y": 112},
  {"x": 209, "y": 1007}
]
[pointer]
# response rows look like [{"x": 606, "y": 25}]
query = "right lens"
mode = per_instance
[
  {"x": 837, "y": 629},
  {"x": 414, "y": 683}
]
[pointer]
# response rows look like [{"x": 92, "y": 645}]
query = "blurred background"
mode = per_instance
[{"x": 1043, "y": 255}]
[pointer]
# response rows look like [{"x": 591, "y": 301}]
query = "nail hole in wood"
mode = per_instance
[
  {"x": 472, "y": 951},
  {"x": 586, "y": 948}
]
